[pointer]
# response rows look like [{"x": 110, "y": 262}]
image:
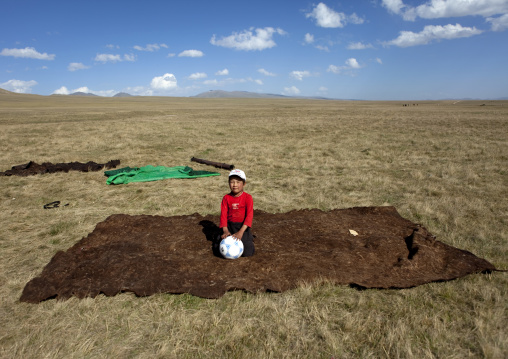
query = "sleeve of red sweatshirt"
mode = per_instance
[
  {"x": 223, "y": 213},
  {"x": 249, "y": 210}
]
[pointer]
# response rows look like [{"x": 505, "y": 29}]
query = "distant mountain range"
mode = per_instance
[
  {"x": 220, "y": 94},
  {"x": 123, "y": 94},
  {"x": 246, "y": 94},
  {"x": 120, "y": 94},
  {"x": 236, "y": 94},
  {"x": 83, "y": 94}
]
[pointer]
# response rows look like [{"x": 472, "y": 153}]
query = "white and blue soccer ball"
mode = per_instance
[{"x": 230, "y": 248}]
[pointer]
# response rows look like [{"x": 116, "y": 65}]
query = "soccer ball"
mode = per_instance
[{"x": 230, "y": 248}]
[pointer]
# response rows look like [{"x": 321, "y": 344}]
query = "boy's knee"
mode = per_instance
[{"x": 248, "y": 250}]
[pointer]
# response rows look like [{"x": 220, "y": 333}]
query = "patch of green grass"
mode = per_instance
[
  {"x": 59, "y": 228},
  {"x": 206, "y": 152}
]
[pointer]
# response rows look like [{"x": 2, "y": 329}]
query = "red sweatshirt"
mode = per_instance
[{"x": 236, "y": 209}]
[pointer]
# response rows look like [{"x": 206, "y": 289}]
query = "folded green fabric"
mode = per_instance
[
  {"x": 120, "y": 170},
  {"x": 152, "y": 173}
]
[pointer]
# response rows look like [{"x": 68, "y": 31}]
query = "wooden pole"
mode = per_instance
[{"x": 212, "y": 163}]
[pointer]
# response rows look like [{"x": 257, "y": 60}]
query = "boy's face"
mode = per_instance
[{"x": 236, "y": 185}]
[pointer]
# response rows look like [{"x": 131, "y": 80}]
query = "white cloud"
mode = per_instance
[
  {"x": 334, "y": 69},
  {"x": 323, "y": 48},
  {"x": 499, "y": 23},
  {"x": 453, "y": 8},
  {"x": 107, "y": 58},
  {"x": 231, "y": 81},
  {"x": 224, "y": 72},
  {"x": 18, "y": 86},
  {"x": 326, "y": 17},
  {"x": 309, "y": 39},
  {"x": 61, "y": 91},
  {"x": 355, "y": 19},
  {"x": 105, "y": 93},
  {"x": 139, "y": 91},
  {"x": 84, "y": 89},
  {"x": 351, "y": 64},
  {"x": 111, "y": 46},
  {"x": 73, "y": 66},
  {"x": 291, "y": 91},
  {"x": 256, "y": 81},
  {"x": 435, "y": 9},
  {"x": 114, "y": 58},
  {"x": 150, "y": 47},
  {"x": 359, "y": 46},
  {"x": 433, "y": 32},
  {"x": 248, "y": 41},
  {"x": 27, "y": 52},
  {"x": 394, "y": 6},
  {"x": 149, "y": 91},
  {"x": 165, "y": 82},
  {"x": 266, "y": 73},
  {"x": 171, "y": 55},
  {"x": 211, "y": 82},
  {"x": 197, "y": 76},
  {"x": 191, "y": 53},
  {"x": 299, "y": 75},
  {"x": 379, "y": 61},
  {"x": 129, "y": 57}
]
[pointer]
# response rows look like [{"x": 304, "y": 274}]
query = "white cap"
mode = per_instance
[{"x": 238, "y": 173}]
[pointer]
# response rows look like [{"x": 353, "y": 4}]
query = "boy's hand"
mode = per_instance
[
  {"x": 226, "y": 232},
  {"x": 238, "y": 235}
]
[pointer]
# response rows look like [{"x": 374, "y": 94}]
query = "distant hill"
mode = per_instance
[
  {"x": 235, "y": 94},
  {"x": 246, "y": 94},
  {"x": 5, "y": 92},
  {"x": 122, "y": 94},
  {"x": 82, "y": 94},
  {"x": 17, "y": 94}
]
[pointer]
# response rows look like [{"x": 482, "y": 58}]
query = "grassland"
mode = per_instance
[{"x": 441, "y": 164}]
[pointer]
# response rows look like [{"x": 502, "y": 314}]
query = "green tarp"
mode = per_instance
[{"x": 153, "y": 173}]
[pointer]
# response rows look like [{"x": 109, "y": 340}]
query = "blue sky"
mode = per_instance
[{"x": 363, "y": 49}]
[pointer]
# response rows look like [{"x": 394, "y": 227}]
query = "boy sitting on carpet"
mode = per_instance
[{"x": 237, "y": 211}]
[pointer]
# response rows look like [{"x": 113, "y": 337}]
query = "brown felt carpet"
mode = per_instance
[
  {"x": 155, "y": 254},
  {"x": 31, "y": 168}
]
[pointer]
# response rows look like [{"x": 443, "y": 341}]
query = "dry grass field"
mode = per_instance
[{"x": 441, "y": 164}]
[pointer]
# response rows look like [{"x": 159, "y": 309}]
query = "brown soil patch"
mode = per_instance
[
  {"x": 153, "y": 254},
  {"x": 31, "y": 168}
]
